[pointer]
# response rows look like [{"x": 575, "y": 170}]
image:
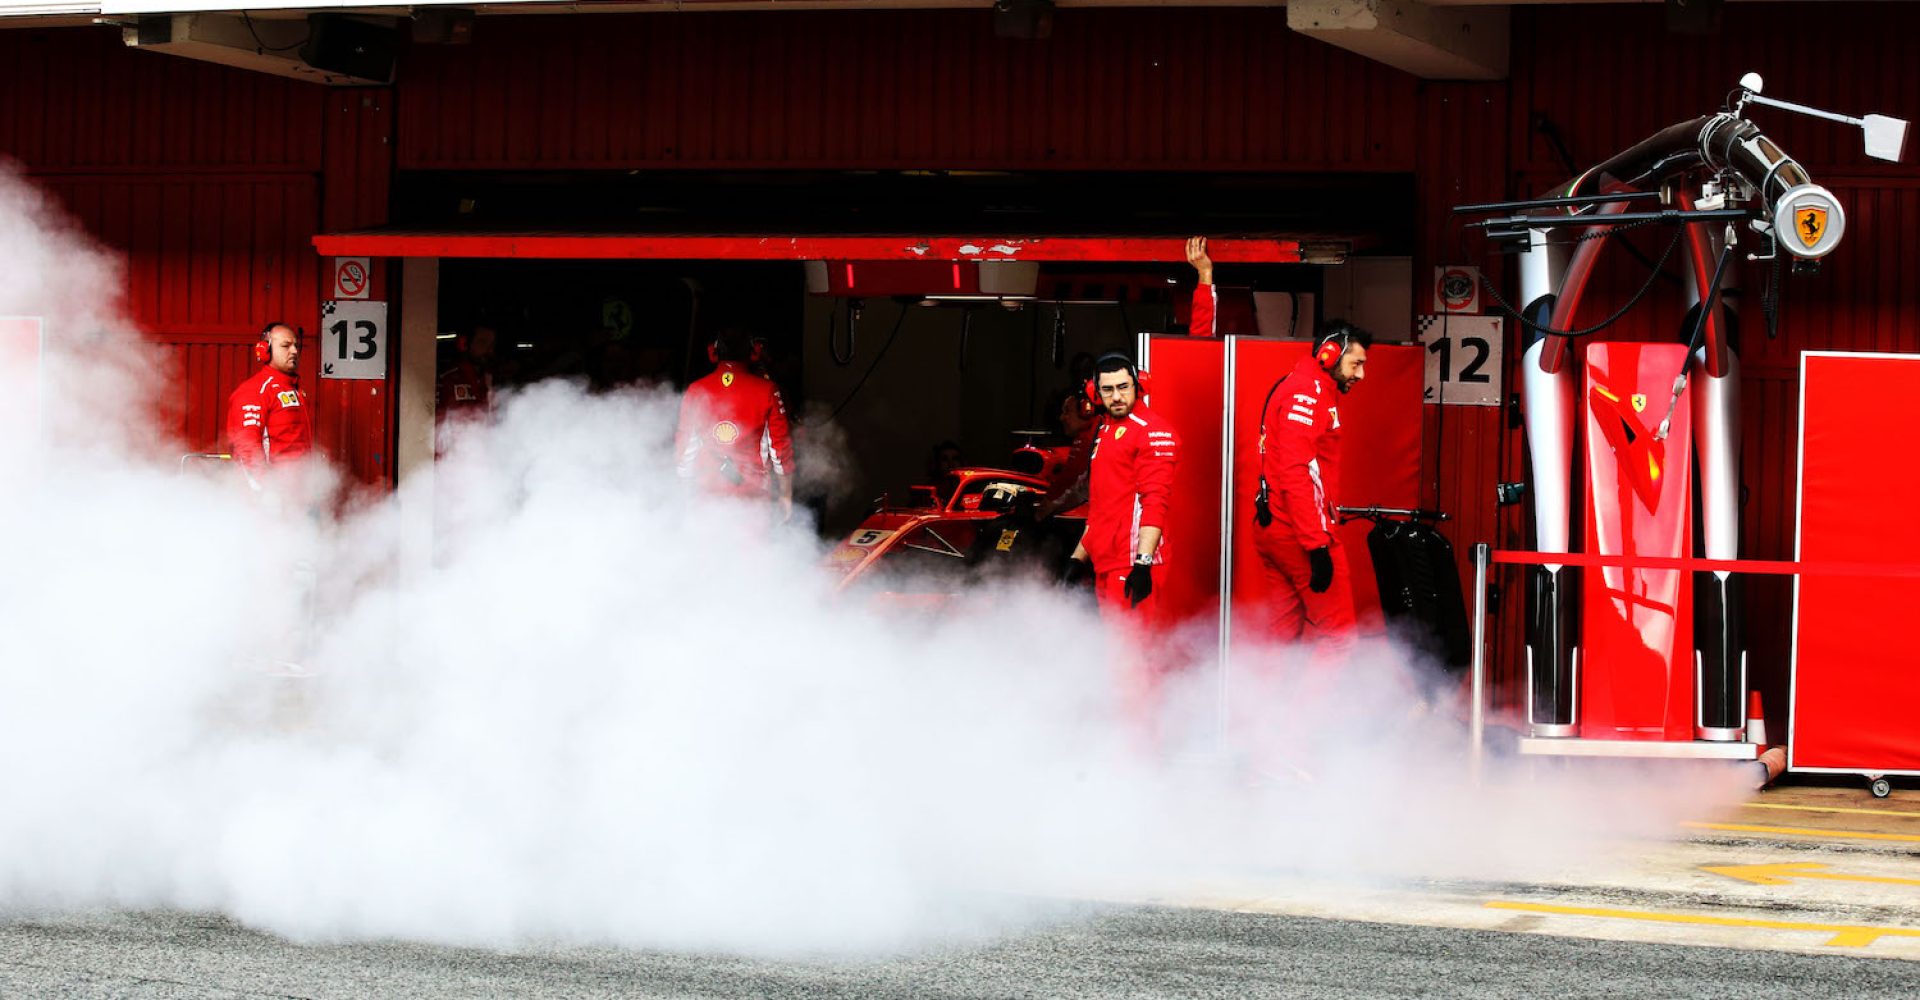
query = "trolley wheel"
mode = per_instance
[{"x": 1881, "y": 788}]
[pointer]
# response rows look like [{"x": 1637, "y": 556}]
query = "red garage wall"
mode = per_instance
[
  {"x": 262, "y": 162},
  {"x": 210, "y": 183},
  {"x": 1113, "y": 89}
]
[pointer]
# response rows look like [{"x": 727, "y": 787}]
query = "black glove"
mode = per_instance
[
  {"x": 1078, "y": 571},
  {"x": 1139, "y": 584},
  {"x": 1321, "y": 559}
]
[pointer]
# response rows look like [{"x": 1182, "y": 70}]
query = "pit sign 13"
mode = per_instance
[
  {"x": 353, "y": 339},
  {"x": 1463, "y": 359}
]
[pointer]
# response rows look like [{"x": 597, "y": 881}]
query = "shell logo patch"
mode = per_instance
[
  {"x": 289, "y": 399},
  {"x": 726, "y": 432},
  {"x": 1809, "y": 224},
  {"x": 1639, "y": 402},
  {"x": 726, "y": 379},
  {"x": 1119, "y": 432}
]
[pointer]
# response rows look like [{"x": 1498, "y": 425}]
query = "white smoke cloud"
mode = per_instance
[{"x": 610, "y": 712}]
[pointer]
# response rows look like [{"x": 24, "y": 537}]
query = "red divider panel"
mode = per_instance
[
  {"x": 1188, "y": 378},
  {"x": 1636, "y": 634},
  {"x": 1379, "y": 461},
  {"x": 1856, "y": 674}
]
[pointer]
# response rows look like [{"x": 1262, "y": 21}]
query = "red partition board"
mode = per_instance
[
  {"x": 1856, "y": 674},
  {"x": 1379, "y": 461},
  {"x": 1187, "y": 382},
  {"x": 1636, "y": 632}
]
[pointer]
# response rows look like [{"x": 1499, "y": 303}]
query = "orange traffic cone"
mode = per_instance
[{"x": 1772, "y": 759}]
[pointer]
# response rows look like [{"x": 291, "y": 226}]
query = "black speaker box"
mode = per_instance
[{"x": 349, "y": 47}]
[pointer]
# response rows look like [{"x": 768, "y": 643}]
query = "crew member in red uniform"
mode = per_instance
[
  {"x": 268, "y": 419},
  {"x": 1129, "y": 486},
  {"x": 1305, "y": 566},
  {"x": 1206, "y": 298},
  {"x": 1067, "y": 465},
  {"x": 733, "y": 436},
  {"x": 465, "y": 386}
]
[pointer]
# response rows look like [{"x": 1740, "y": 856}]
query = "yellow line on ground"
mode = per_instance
[
  {"x": 1800, "y": 831},
  {"x": 1784, "y": 874},
  {"x": 1831, "y": 809},
  {"x": 1844, "y": 935}
]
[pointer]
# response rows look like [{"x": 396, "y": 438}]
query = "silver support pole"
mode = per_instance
[
  {"x": 1482, "y": 554},
  {"x": 1224, "y": 693}
]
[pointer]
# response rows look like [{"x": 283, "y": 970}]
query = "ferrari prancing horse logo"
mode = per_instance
[
  {"x": 1639, "y": 402},
  {"x": 1809, "y": 224},
  {"x": 726, "y": 379}
]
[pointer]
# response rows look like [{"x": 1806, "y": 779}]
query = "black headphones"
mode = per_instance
[
  {"x": 1139, "y": 377},
  {"x": 756, "y": 351}
]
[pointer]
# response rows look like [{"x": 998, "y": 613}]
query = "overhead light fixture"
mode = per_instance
[
  {"x": 937, "y": 300},
  {"x": 1323, "y": 253}
]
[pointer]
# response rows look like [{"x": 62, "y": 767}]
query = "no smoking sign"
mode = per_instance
[
  {"x": 352, "y": 277},
  {"x": 1456, "y": 290}
]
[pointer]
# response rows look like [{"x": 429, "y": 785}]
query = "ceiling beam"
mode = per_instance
[{"x": 1430, "y": 42}]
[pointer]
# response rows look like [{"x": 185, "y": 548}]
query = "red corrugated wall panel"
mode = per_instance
[
  {"x": 356, "y": 416},
  {"x": 1216, "y": 89},
  {"x": 207, "y": 259},
  {"x": 210, "y": 184}
]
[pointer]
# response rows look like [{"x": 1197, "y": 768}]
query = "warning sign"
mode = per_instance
[
  {"x": 352, "y": 278},
  {"x": 1456, "y": 289}
]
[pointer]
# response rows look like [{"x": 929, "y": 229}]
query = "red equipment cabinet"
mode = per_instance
[{"x": 1856, "y": 673}]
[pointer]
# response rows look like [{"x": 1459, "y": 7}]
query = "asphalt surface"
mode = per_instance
[{"x": 1101, "y": 952}]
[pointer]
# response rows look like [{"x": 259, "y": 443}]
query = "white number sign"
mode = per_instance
[
  {"x": 1463, "y": 359},
  {"x": 353, "y": 339}
]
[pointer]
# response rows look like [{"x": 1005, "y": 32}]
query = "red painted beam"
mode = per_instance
[{"x": 575, "y": 246}]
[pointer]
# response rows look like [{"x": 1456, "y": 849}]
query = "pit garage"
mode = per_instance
[{"x": 903, "y": 313}]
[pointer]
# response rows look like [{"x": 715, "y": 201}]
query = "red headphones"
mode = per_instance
[
  {"x": 1141, "y": 381},
  {"x": 756, "y": 353},
  {"x": 263, "y": 348},
  {"x": 1332, "y": 347}
]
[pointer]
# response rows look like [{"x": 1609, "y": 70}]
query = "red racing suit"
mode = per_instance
[
  {"x": 1129, "y": 486},
  {"x": 1067, "y": 475},
  {"x": 1300, "y": 464},
  {"x": 268, "y": 422},
  {"x": 733, "y": 433},
  {"x": 463, "y": 387},
  {"x": 1206, "y": 302}
]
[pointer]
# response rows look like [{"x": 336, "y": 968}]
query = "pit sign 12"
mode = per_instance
[{"x": 1463, "y": 359}]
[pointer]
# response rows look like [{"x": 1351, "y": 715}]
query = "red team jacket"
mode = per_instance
[
  {"x": 733, "y": 432},
  {"x": 268, "y": 422},
  {"x": 463, "y": 387},
  {"x": 1300, "y": 453},
  {"x": 1129, "y": 485}
]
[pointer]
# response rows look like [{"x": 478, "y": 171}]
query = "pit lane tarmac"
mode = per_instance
[
  {"x": 1813, "y": 870},
  {"x": 1800, "y": 894}
]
